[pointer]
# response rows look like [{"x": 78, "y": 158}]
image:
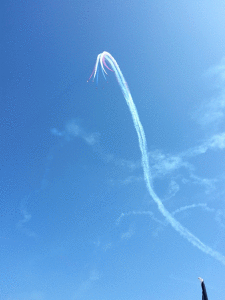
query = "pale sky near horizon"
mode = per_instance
[{"x": 77, "y": 221}]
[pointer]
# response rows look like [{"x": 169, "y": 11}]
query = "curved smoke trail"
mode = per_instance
[{"x": 102, "y": 58}]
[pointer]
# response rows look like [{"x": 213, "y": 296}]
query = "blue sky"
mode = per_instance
[{"x": 77, "y": 221}]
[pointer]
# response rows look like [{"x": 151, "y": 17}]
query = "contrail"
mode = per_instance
[
  {"x": 102, "y": 58},
  {"x": 203, "y": 205},
  {"x": 148, "y": 213}
]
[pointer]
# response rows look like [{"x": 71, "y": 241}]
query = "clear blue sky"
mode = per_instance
[{"x": 77, "y": 222}]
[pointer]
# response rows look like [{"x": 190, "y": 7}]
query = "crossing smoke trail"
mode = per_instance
[{"x": 107, "y": 57}]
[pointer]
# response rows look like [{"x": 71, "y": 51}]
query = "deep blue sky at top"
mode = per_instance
[{"x": 70, "y": 160}]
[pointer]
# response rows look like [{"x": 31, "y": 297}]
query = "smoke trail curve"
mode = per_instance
[{"x": 107, "y": 57}]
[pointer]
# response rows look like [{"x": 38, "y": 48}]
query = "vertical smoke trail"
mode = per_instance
[{"x": 105, "y": 56}]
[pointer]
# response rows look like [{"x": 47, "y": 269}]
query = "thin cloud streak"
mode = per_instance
[
  {"x": 72, "y": 129},
  {"x": 212, "y": 112},
  {"x": 86, "y": 284},
  {"x": 220, "y": 217},
  {"x": 183, "y": 208},
  {"x": 21, "y": 224},
  {"x": 136, "y": 213},
  {"x": 127, "y": 235},
  {"x": 173, "y": 189},
  {"x": 217, "y": 141}
]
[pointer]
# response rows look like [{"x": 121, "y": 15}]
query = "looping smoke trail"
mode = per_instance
[
  {"x": 103, "y": 59},
  {"x": 148, "y": 213}
]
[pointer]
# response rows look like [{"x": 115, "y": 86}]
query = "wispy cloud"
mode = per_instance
[
  {"x": 131, "y": 179},
  {"x": 87, "y": 284},
  {"x": 107, "y": 246},
  {"x": 73, "y": 129},
  {"x": 163, "y": 164},
  {"x": 208, "y": 184},
  {"x": 135, "y": 213},
  {"x": 187, "y": 207},
  {"x": 218, "y": 141},
  {"x": 128, "y": 180},
  {"x": 131, "y": 165},
  {"x": 220, "y": 217},
  {"x": 128, "y": 234},
  {"x": 218, "y": 72},
  {"x": 173, "y": 189},
  {"x": 215, "y": 142},
  {"x": 21, "y": 225},
  {"x": 56, "y": 132},
  {"x": 212, "y": 111}
]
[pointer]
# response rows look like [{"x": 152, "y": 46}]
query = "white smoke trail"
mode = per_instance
[
  {"x": 148, "y": 213},
  {"x": 203, "y": 205},
  {"x": 145, "y": 163}
]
